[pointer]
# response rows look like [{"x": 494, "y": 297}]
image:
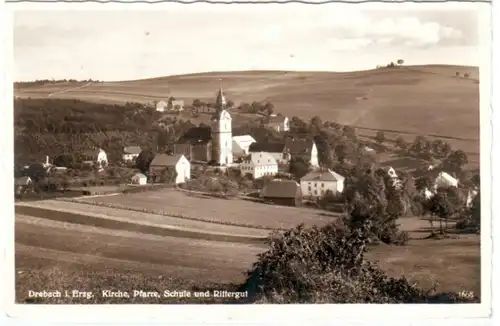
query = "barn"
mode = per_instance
[{"x": 282, "y": 192}]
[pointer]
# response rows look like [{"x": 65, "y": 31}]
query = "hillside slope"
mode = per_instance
[{"x": 428, "y": 100}]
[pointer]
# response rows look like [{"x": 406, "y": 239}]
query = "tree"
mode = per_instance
[
  {"x": 269, "y": 108},
  {"x": 466, "y": 75},
  {"x": 169, "y": 175},
  {"x": 442, "y": 206},
  {"x": 197, "y": 103},
  {"x": 421, "y": 147},
  {"x": 457, "y": 74},
  {"x": 455, "y": 161},
  {"x": 66, "y": 160},
  {"x": 230, "y": 104},
  {"x": 400, "y": 61},
  {"x": 401, "y": 143},
  {"x": 143, "y": 160},
  {"x": 349, "y": 132},
  {"x": 316, "y": 123},
  {"x": 298, "y": 167},
  {"x": 36, "y": 172},
  {"x": 380, "y": 137},
  {"x": 424, "y": 182},
  {"x": 440, "y": 148}
]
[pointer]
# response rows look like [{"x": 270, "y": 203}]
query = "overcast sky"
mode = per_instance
[{"x": 123, "y": 45}]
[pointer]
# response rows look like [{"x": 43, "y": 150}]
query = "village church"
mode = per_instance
[{"x": 212, "y": 144}]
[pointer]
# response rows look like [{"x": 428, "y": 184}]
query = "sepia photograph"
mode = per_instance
[{"x": 215, "y": 154}]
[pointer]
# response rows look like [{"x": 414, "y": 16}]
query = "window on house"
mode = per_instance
[
  {"x": 315, "y": 192},
  {"x": 322, "y": 185},
  {"x": 309, "y": 188}
]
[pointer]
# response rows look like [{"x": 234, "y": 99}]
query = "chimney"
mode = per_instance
[{"x": 47, "y": 160}]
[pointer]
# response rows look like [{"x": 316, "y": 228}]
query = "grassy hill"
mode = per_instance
[{"x": 425, "y": 100}]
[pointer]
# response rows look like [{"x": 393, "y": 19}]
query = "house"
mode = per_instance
[
  {"x": 212, "y": 144},
  {"x": 282, "y": 192},
  {"x": 177, "y": 105},
  {"x": 275, "y": 149},
  {"x": 305, "y": 148},
  {"x": 95, "y": 157},
  {"x": 317, "y": 183},
  {"x": 206, "y": 109},
  {"x": 139, "y": 179},
  {"x": 259, "y": 165},
  {"x": 241, "y": 145},
  {"x": 161, "y": 163},
  {"x": 284, "y": 151},
  {"x": 279, "y": 123},
  {"x": 444, "y": 180},
  {"x": 22, "y": 184},
  {"x": 161, "y": 106},
  {"x": 130, "y": 153}
]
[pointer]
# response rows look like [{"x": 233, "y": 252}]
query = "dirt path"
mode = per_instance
[{"x": 69, "y": 89}]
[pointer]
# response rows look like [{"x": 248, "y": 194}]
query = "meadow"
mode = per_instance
[{"x": 413, "y": 100}]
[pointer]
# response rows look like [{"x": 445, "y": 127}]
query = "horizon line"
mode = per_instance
[{"x": 247, "y": 71}]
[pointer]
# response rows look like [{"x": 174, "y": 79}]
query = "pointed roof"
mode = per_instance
[{"x": 220, "y": 101}]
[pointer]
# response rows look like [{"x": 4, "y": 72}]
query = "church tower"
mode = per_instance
[{"x": 222, "y": 136}]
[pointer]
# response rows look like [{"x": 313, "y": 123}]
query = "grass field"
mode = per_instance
[
  {"x": 427, "y": 100},
  {"x": 55, "y": 254},
  {"x": 230, "y": 211}
]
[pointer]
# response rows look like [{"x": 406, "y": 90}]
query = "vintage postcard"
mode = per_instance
[{"x": 232, "y": 157}]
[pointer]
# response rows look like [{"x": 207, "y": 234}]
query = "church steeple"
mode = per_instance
[{"x": 220, "y": 101}]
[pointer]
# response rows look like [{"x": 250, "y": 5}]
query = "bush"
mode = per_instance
[{"x": 324, "y": 265}]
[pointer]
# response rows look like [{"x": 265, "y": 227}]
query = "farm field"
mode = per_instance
[
  {"x": 413, "y": 100},
  {"x": 230, "y": 211},
  {"x": 62, "y": 255},
  {"x": 112, "y": 215}
]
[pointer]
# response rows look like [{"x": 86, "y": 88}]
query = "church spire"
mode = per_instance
[{"x": 220, "y": 101}]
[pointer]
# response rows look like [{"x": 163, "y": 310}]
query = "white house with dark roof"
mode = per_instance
[
  {"x": 130, "y": 153},
  {"x": 259, "y": 165},
  {"x": 317, "y": 183},
  {"x": 163, "y": 162},
  {"x": 241, "y": 145}
]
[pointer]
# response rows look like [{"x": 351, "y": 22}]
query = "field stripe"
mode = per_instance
[{"x": 128, "y": 226}]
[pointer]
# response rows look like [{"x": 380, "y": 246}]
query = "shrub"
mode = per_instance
[{"x": 324, "y": 265}]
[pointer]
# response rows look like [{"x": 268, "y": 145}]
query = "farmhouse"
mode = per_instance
[
  {"x": 161, "y": 106},
  {"x": 212, "y": 144},
  {"x": 317, "y": 183},
  {"x": 95, "y": 157},
  {"x": 259, "y": 165},
  {"x": 139, "y": 179},
  {"x": 279, "y": 123},
  {"x": 130, "y": 153},
  {"x": 164, "y": 164},
  {"x": 282, "y": 192},
  {"x": 241, "y": 145},
  {"x": 444, "y": 180}
]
